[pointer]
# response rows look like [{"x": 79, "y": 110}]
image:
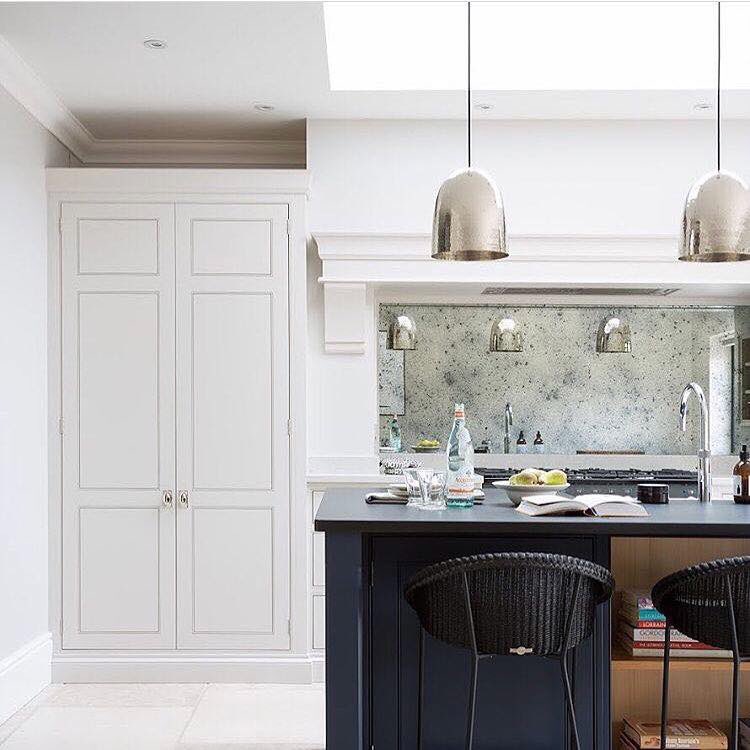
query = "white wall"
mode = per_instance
[
  {"x": 25, "y": 149},
  {"x": 560, "y": 177},
  {"x": 557, "y": 177}
]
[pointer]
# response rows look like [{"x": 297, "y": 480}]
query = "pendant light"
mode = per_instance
[
  {"x": 469, "y": 219},
  {"x": 613, "y": 336},
  {"x": 505, "y": 336},
  {"x": 402, "y": 334},
  {"x": 716, "y": 220}
]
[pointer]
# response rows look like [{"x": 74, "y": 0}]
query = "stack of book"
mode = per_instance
[
  {"x": 700, "y": 734},
  {"x": 641, "y": 631}
]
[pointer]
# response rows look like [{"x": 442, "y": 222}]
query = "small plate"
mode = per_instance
[{"x": 516, "y": 492}]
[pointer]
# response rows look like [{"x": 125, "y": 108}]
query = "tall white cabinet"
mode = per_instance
[{"x": 178, "y": 324}]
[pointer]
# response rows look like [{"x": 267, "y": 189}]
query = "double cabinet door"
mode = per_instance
[{"x": 175, "y": 405}]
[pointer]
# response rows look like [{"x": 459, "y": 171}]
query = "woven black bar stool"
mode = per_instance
[
  {"x": 711, "y": 603},
  {"x": 510, "y": 603}
]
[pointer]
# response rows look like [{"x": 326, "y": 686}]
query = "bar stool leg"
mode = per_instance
[
  {"x": 736, "y": 670},
  {"x": 474, "y": 666},
  {"x": 569, "y": 699},
  {"x": 420, "y": 698},
  {"x": 564, "y": 665},
  {"x": 665, "y": 684},
  {"x": 472, "y": 704}
]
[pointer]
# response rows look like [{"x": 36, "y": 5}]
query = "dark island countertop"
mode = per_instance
[{"x": 345, "y": 509}]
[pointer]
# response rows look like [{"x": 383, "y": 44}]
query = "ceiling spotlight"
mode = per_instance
[
  {"x": 264, "y": 107},
  {"x": 701, "y": 106},
  {"x": 155, "y": 44}
]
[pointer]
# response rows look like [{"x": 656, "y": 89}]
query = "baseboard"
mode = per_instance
[
  {"x": 24, "y": 674},
  {"x": 182, "y": 668},
  {"x": 319, "y": 669}
]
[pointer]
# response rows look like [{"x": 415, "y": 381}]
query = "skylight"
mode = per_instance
[{"x": 534, "y": 46}]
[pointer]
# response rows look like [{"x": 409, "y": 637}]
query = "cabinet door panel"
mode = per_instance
[
  {"x": 233, "y": 570},
  {"x": 232, "y": 368},
  {"x": 118, "y": 417},
  {"x": 119, "y": 547},
  {"x": 118, "y": 386},
  {"x": 232, "y": 412}
]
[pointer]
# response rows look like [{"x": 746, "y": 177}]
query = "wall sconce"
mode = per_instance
[
  {"x": 402, "y": 334},
  {"x": 613, "y": 336},
  {"x": 505, "y": 336}
]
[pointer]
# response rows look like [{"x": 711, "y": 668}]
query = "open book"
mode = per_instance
[{"x": 592, "y": 505}]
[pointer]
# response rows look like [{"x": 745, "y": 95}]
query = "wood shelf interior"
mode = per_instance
[{"x": 698, "y": 687}]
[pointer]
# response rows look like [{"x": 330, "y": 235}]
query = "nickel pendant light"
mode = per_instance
[
  {"x": 716, "y": 220},
  {"x": 469, "y": 219}
]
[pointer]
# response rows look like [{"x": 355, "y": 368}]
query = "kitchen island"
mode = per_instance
[{"x": 372, "y": 634}]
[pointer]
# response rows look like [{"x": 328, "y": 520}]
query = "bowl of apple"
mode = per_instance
[{"x": 533, "y": 482}]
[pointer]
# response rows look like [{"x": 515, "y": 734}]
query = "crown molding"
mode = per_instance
[
  {"x": 249, "y": 153},
  {"x": 25, "y": 86},
  {"x": 33, "y": 94}
]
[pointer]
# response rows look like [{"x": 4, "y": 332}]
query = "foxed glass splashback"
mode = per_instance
[{"x": 580, "y": 400}]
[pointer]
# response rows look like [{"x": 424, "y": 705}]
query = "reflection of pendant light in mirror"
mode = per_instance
[
  {"x": 613, "y": 336},
  {"x": 505, "y": 336},
  {"x": 402, "y": 334},
  {"x": 716, "y": 219},
  {"x": 469, "y": 219}
]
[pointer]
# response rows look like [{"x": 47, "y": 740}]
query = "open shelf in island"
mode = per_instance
[
  {"x": 699, "y": 687},
  {"x": 623, "y": 662}
]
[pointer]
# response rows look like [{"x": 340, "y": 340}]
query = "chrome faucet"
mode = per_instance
[
  {"x": 704, "y": 441},
  {"x": 508, "y": 423}
]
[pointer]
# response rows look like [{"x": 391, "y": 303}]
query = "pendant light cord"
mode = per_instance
[
  {"x": 718, "y": 88},
  {"x": 468, "y": 84}
]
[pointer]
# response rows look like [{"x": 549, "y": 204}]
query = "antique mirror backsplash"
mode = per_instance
[{"x": 578, "y": 398}]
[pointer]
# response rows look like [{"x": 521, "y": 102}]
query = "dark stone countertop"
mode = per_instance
[{"x": 345, "y": 509}]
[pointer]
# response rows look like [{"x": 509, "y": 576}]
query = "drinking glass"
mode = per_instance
[
  {"x": 436, "y": 497},
  {"x": 424, "y": 476},
  {"x": 412, "y": 486}
]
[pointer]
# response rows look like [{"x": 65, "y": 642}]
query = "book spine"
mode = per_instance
[
  {"x": 635, "y": 614},
  {"x": 676, "y": 743},
  {"x": 655, "y": 635},
  {"x": 641, "y": 601},
  {"x": 676, "y": 646},
  {"x": 658, "y": 653},
  {"x": 648, "y": 625}
]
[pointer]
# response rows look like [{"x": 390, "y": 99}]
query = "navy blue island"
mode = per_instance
[{"x": 372, "y": 635}]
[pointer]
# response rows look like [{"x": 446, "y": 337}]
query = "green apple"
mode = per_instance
[
  {"x": 556, "y": 476},
  {"x": 524, "y": 478}
]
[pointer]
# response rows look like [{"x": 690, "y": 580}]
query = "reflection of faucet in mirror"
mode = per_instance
[
  {"x": 704, "y": 443},
  {"x": 508, "y": 423}
]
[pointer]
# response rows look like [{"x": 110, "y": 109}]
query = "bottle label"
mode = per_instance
[{"x": 737, "y": 484}]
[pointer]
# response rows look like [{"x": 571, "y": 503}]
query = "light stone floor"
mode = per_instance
[{"x": 170, "y": 717}]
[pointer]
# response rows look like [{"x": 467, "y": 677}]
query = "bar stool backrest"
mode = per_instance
[
  {"x": 520, "y": 602},
  {"x": 696, "y": 601}
]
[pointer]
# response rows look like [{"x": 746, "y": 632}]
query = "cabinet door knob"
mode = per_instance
[
  {"x": 168, "y": 499},
  {"x": 183, "y": 497}
]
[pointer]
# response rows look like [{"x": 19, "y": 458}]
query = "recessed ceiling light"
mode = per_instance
[
  {"x": 155, "y": 44},
  {"x": 263, "y": 107},
  {"x": 700, "y": 106}
]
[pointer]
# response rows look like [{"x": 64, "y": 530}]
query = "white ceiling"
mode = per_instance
[{"x": 224, "y": 57}]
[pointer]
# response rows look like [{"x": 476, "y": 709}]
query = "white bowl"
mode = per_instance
[{"x": 516, "y": 492}]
